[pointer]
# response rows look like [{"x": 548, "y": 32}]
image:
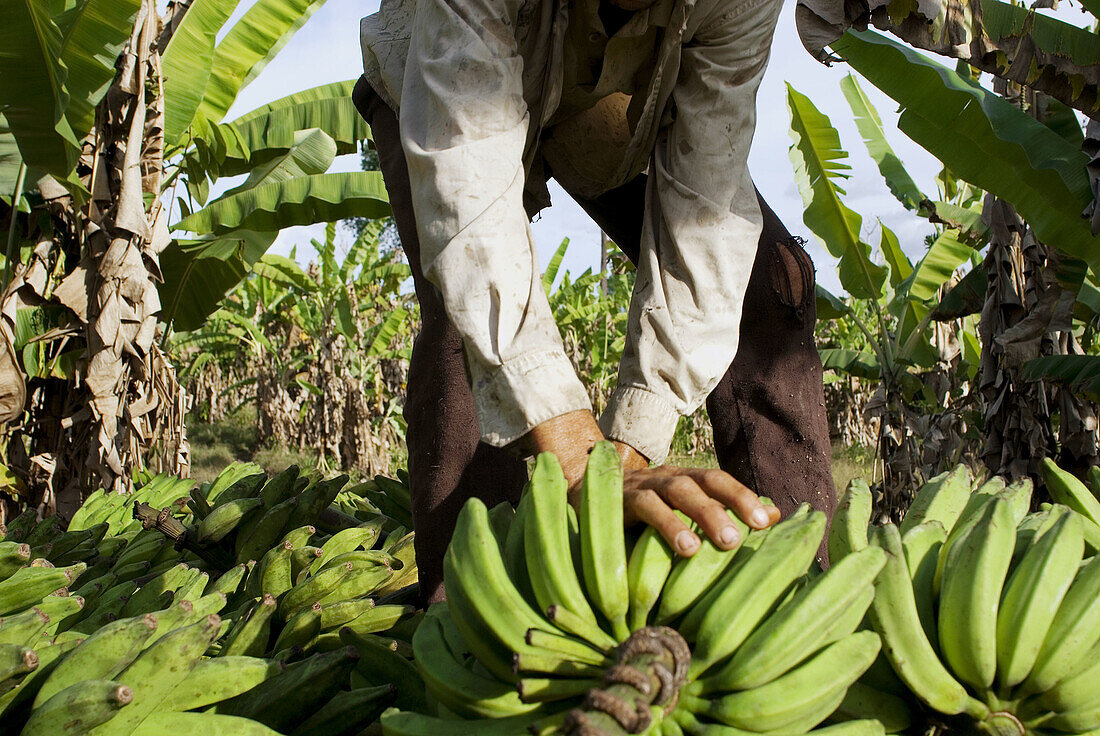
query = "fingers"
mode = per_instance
[
  {"x": 730, "y": 492},
  {"x": 648, "y": 507},
  {"x": 684, "y": 493}
]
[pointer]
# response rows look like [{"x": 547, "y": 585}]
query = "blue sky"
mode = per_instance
[{"x": 326, "y": 50}]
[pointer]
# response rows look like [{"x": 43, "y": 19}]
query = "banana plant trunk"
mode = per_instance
[{"x": 121, "y": 409}]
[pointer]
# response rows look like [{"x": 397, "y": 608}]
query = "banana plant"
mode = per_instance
[{"x": 896, "y": 297}]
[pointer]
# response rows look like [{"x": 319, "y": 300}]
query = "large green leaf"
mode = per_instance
[
  {"x": 551, "y": 272},
  {"x": 187, "y": 61},
  {"x": 246, "y": 49},
  {"x": 964, "y": 298},
  {"x": 303, "y": 200},
  {"x": 869, "y": 124},
  {"x": 900, "y": 265},
  {"x": 1079, "y": 373},
  {"x": 386, "y": 331},
  {"x": 817, "y": 158},
  {"x": 829, "y": 306},
  {"x": 269, "y": 130},
  {"x": 9, "y": 168},
  {"x": 983, "y": 139},
  {"x": 95, "y": 32},
  {"x": 312, "y": 152},
  {"x": 33, "y": 96},
  {"x": 852, "y": 362},
  {"x": 938, "y": 265},
  {"x": 198, "y": 274}
]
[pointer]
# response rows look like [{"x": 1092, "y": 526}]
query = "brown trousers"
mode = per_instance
[{"x": 768, "y": 411}]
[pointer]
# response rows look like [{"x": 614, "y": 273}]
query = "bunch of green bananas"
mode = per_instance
[
  {"x": 554, "y": 622},
  {"x": 139, "y": 647},
  {"x": 989, "y": 615}
]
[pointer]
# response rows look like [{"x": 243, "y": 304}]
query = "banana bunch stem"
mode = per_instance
[{"x": 652, "y": 667}]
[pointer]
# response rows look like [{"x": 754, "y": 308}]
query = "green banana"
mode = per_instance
[
  {"x": 230, "y": 581},
  {"x": 806, "y": 695},
  {"x": 922, "y": 545},
  {"x": 31, "y": 584},
  {"x": 864, "y": 702},
  {"x": 848, "y": 532},
  {"x": 250, "y": 637},
  {"x": 279, "y": 487},
  {"x": 1018, "y": 493},
  {"x": 313, "y": 589},
  {"x": 218, "y": 679},
  {"x": 346, "y": 540},
  {"x": 24, "y": 628},
  {"x": 302, "y": 626},
  {"x": 894, "y": 616},
  {"x": 974, "y": 574},
  {"x": 208, "y": 724},
  {"x": 102, "y": 656},
  {"x": 1072, "y": 693},
  {"x": 156, "y": 672},
  {"x": 284, "y": 701},
  {"x": 1033, "y": 594},
  {"x": 379, "y": 618},
  {"x": 941, "y": 499},
  {"x": 646, "y": 572},
  {"x": 748, "y": 591},
  {"x": 459, "y": 688},
  {"x": 29, "y": 683},
  {"x": 348, "y": 712},
  {"x": 1067, "y": 489},
  {"x": 79, "y": 708},
  {"x": 603, "y": 546},
  {"x": 264, "y": 530},
  {"x": 145, "y": 598},
  {"x": 16, "y": 661},
  {"x": 13, "y": 555},
  {"x": 550, "y": 570},
  {"x": 404, "y": 723},
  {"x": 339, "y": 613},
  {"x": 692, "y": 576},
  {"x": 380, "y": 664},
  {"x": 1074, "y": 631},
  {"x": 276, "y": 575},
  {"x": 794, "y": 632},
  {"x": 515, "y": 555},
  {"x": 223, "y": 519}
]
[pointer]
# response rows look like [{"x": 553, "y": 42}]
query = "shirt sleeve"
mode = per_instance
[
  {"x": 463, "y": 127},
  {"x": 699, "y": 239}
]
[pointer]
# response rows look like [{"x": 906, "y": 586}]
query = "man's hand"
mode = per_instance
[{"x": 652, "y": 495}]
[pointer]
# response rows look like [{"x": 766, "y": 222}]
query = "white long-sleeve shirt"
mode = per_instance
[{"x": 477, "y": 83}]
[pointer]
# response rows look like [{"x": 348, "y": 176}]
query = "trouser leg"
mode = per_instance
[
  {"x": 768, "y": 411},
  {"x": 447, "y": 461}
]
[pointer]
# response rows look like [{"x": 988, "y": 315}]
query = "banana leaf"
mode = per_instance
[
  {"x": 964, "y": 298},
  {"x": 302, "y": 200},
  {"x": 869, "y": 124},
  {"x": 386, "y": 331},
  {"x": 33, "y": 94},
  {"x": 1078, "y": 373},
  {"x": 94, "y": 34},
  {"x": 187, "y": 62},
  {"x": 552, "y": 267},
  {"x": 937, "y": 266},
  {"x": 9, "y": 168},
  {"x": 248, "y": 46},
  {"x": 269, "y": 130},
  {"x": 983, "y": 139},
  {"x": 829, "y": 306},
  {"x": 967, "y": 221},
  {"x": 311, "y": 152},
  {"x": 199, "y": 273},
  {"x": 901, "y": 267},
  {"x": 818, "y": 163},
  {"x": 851, "y": 362},
  {"x": 285, "y": 271}
]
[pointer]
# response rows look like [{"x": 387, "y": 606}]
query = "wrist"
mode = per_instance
[
  {"x": 570, "y": 437},
  {"x": 630, "y": 458}
]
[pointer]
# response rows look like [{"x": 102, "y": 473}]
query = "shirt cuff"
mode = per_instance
[
  {"x": 524, "y": 392},
  {"x": 641, "y": 419}
]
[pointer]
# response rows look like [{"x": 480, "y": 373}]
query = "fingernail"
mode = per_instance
[
  {"x": 687, "y": 542},
  {"x": 729, "y": 536},
  {"x": 760, "y": 518}
]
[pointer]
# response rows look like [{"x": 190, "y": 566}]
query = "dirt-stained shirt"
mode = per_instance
[{"x": 481, "y": 87}]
